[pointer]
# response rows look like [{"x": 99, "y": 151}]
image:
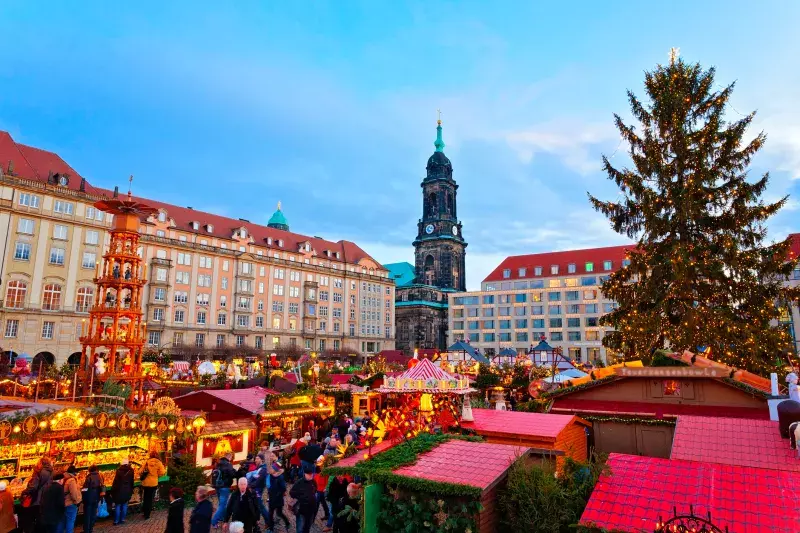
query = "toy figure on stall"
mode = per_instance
[
  {"x": 126, "y": 366},
  {"x": 123, "y": 332},
  {"x": 100, "y": 366},
  {"x": 108, "y": 332},
  {"x": 115, "y": 271},
  {"x": 128, "y": 273},
  {"x": 109, "y": 299}
]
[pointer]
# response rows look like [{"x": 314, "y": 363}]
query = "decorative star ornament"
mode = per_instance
[{"x": 674, "y": 53}]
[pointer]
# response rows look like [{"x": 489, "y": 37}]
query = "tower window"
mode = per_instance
[
  {"x": 429, "y": 270},
  {"x": 432, "y": 204}
]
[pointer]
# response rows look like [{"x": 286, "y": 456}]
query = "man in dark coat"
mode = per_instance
[
  {"x": 51, "y": 505},
  {"x": 243, "y": 507},
  {"x": 349, "y": 521},
  {"x": 276, "y": 492},
  {"x": 121, "y": 491},
  {"x": 175, "y": 512},
  {"x": 91, "y": 497},
  {"x": 305, "y": 506},
  {"x": 222, "y": 478},
  {"x": 337, "y": 491},
  {"x": 200, "y": 520}
]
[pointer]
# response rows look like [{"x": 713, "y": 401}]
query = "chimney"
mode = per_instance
[
  {"x": 10, "y": 167},
  {"x": 189, "y": 207},
  {"x": 50, "y": 178},
  {"x": 116, "y": 191},
  {"x": 82, "y": 188}
]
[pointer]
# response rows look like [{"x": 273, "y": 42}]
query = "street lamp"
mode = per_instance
[{"x": 687, "y": 523}]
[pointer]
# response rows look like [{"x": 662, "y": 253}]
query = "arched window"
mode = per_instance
[
  {"x": 84, "y": 299},
  {"x": 15, "y": 294},
  {"x": 432, "y": 203},
  {"x": 162, "y": 216},
  {"x": 51, "y": 301},
  {"x": 429, "y": 270}
]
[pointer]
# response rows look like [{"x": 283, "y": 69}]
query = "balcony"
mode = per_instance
[
  {"x": 239, "y": 291},
  {"x": 157, "y": 261},
  {"x": 246, "y": 275}
]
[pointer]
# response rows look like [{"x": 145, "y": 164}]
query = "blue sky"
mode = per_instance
[{"x": 330, "y": 107}]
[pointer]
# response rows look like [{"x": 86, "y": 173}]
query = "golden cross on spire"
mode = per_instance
[
  {"x": 674, "y": 53},
  {"x": 130, "y": 184},
  {"x": 438, "y": 116},
  {"x": 279, "y": 205}
]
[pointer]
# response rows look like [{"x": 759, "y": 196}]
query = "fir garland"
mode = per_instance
[{"x": 747, "y": 388}]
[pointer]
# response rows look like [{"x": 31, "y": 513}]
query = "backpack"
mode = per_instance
[{"x": 217, "y": 479}]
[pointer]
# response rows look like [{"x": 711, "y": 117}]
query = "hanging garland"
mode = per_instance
[
  {"x": 574, "y": 388},
  {"x": 622, "y": 420},
  {"x": 93, "y": 423}
]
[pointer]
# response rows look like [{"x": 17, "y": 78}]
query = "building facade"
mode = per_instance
[
  {"x": 556, "y": 295},
  {"x": 212, "y": 281},
  {"x": 439, "y": 265}
]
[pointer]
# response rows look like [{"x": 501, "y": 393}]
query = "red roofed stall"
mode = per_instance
[
  {"x": 566, "y": 434},
  {"x": 639, "y": 491}
]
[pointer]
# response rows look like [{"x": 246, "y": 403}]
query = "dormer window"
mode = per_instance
[
  {"x": 209, "y": 228},
  {"x": 607, "y": 265},
  {"x": 554, "y": 270},
  {"x": 337, "y": 255},
  {"x": 195, "y": 226},
  {"x": 570, "y": 268},
  {"x": 307, "y": 247},
  {"x": 269, "y": 241},
  {"x": 162, "y": 216},
  {"x": 537, "y": 271},
  {"x": 280, "y": 242}
]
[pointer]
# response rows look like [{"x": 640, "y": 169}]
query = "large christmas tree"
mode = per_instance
[{"x": 701, "y": 273}]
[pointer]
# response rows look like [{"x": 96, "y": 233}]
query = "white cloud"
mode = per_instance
[{"x": 574, "y": 143}]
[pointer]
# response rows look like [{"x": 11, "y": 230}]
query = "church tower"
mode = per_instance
[{"x": 439, "y": 246}]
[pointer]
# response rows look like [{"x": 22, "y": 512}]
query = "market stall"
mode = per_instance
[
  {"x": 85, "y": 437},
  {"x": 287, "y": 415},
  {"x": 221, "y": 437}
]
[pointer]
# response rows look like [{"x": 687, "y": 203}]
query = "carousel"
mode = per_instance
[{"x": 423, "y": 399}]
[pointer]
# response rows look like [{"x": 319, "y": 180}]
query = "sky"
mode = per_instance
[{"x": 330, "y": 107}]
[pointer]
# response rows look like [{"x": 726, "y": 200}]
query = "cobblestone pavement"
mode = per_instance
[{"x": 135, "y": 523}]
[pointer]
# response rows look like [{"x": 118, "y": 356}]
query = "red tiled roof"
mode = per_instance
[
  {"x": 250, "y": 399},
  {"x": 394, "y": 356},
  {"x": 733, "y": 441},
  {"x": 223, "y": 228},
  {"x": 517, "y": 423},
  {"x": 639, "y": 490},
  {"x": 795, "y": 248},
  {"x": 478, "y": 464},
  {"x": 579, "y": 258},
  {"x": 225, "y": 426},
  {"x": 657, "y": 410}
]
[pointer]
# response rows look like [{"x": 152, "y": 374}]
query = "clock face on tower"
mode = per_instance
[
  {"x": 455, "y": 231},
  {"x": 429, "y": 229}
]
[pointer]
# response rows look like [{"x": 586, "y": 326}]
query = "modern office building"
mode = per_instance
[
  {"x": 555, "y": 295},
  {"x": 213, "y": 281}
]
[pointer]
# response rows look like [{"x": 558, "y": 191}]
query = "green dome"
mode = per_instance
[{"x": 277, "y": 220}]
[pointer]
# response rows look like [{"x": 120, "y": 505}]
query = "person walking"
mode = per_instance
[
  {"x": 243, "y": 507},
  {"x": 42, "y": 475},
  {"x": 337, "y": 490},
  {"x": 321, "y": 482},
  {"x": 276, "y": 492},
  {"x": 154, "y": 469},
  {"x": 222, "y": 479},
  {"x": 51, "y": 506},
  {"x": 304, "y": 492},
  {"x": 175, "y": 511},
  {"x": 258, "y": 482},
  {"x": 7, "y": 521},
  {"x": 295, "y": 461},
  {"x": 121, "y": 491},
  {"x": 350, "y": 522},
  {"x": 72, "y": 497},
  {"x": 93, "y": 490},
  {"x": 310, "y": 453},
  {"x": 200, "y": 519}
]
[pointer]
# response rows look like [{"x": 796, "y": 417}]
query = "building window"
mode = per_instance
[
  {"x": 15, "y": 294},
  {"x": 607, "y": 265},
  {"x": 181, "y": 297},
  {"x": 352, "y": 330},
  {"x": 506, "y": 273},
  {"x": 259, "y": 321},
  {"x": 89, "y": 260},
  {"x": 200, "y": 340},
  {"x": 259, "y": 342},
  {"x": 177, "y": 339},
  {"x": 154, "y": 338},
  {"x": 65, "y": 208},
  {"x": 22, "y": 251},
  {"x": 277, "y": 290},
  {"x": 294, "y": 292},
  {"x": 25, "y": 225},
  {"x": 672, "y": 387},
  {"x": 56, "y": 256},
  {"x": 179, "y": 316},
  {"x": 239, "y": 340},
  {"x": 29, "y": 200},
  {"x": 554, "y": 270},
  {"x": 182, "y": 278},
  {"x": 626, "y": 262},
  {"x": 12, "y": 326},
  {"x": 243, "y": 321},
  {"x": 92, "y": 237},
  {"x": 60, "y": 232},
  {"x": 222, "y": 319},
  {"x": 553, "y": 296},
  {"x": 278, "y": 273},
  {"x": 574, "y": 336},
  {"x": 201, "y": 318},
  {"x": 158, "y": 315},
  {"x": 570, "y": 268},
  {"x": 51, "y": 300},
  {"x": 589, "y": 267},
  {"x": 84, "y": 299},
  {"x": 47, "y": 330},
  {"x": 220, "y": 341}
]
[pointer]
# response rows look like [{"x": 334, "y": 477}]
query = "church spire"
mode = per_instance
[{"x": 439, "y": 144}]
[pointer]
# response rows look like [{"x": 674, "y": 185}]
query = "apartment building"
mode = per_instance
[
  {"x": 213, "y": 281},
  {"x": 556, "y": 295}
]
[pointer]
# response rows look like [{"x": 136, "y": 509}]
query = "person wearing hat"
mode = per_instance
[
  {"x": 304, "y": 492},
  {"x": 72, "y": 497},
  {"x": 276, "y": 491},
  {"x": 121, "y": 491},
  {"x": 7, "y": 521},
  {"x": 295, "y": 463}
]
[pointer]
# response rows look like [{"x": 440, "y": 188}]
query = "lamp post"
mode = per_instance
[{"x": 687, "y": 523}]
